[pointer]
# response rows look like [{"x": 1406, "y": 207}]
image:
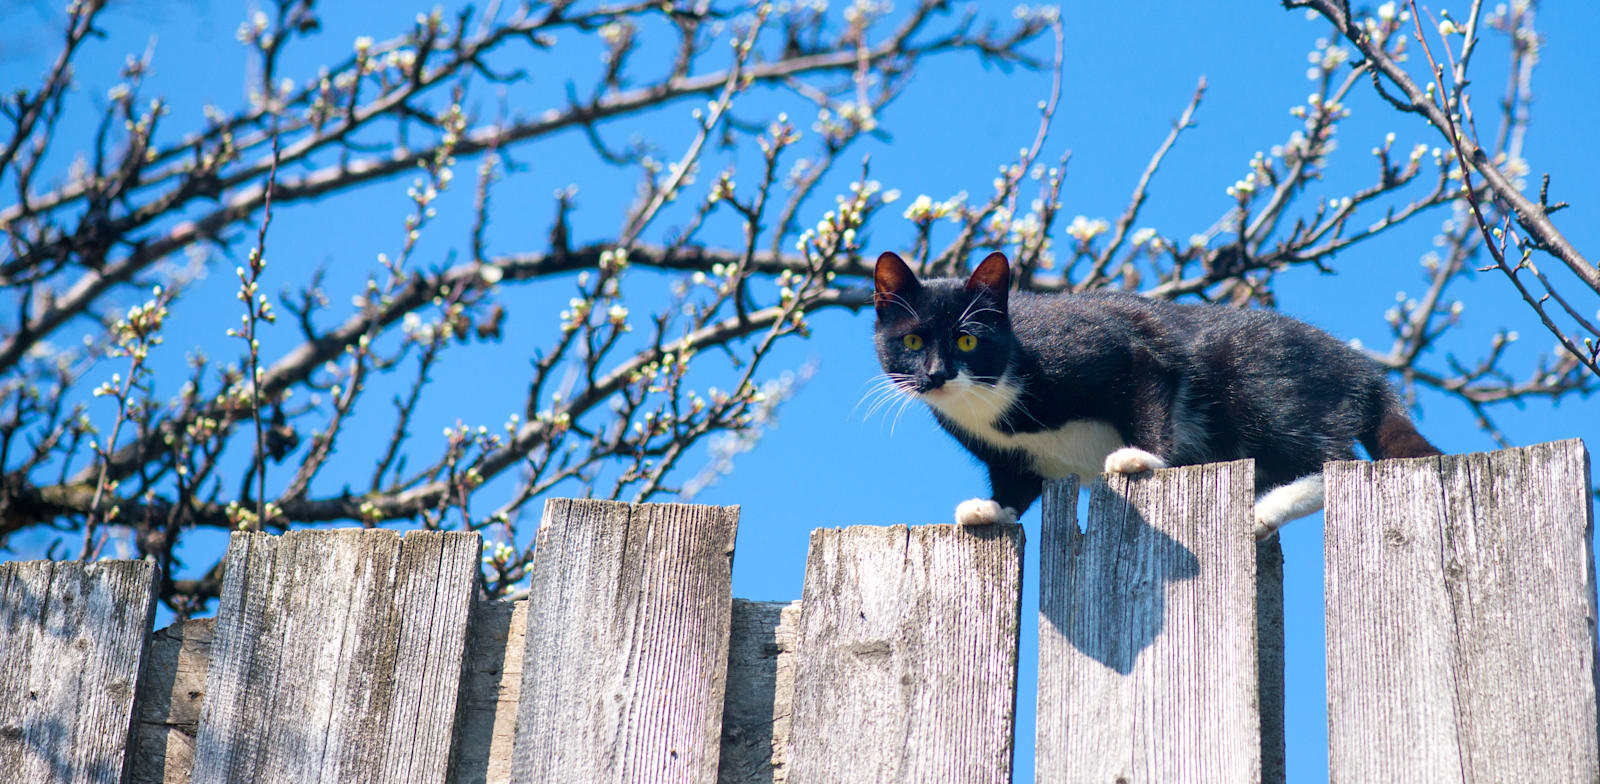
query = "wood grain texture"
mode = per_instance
[
  {"x": 1147, "y": 631},
  {"x": 906, "y": 670},
  {"x": 173, "y": 692},
  {"x": 1461, "y": 618},
  {"x": 337, "y": 657},
  {"x": 757, "y": 710},
  {"x": 627, "y": 644},
  {"x": 73, "y": 639}
]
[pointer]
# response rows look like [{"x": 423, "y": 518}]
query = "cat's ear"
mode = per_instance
[
  {"x": 992, "y": 276},
  {"x": 893, "y": 284}
]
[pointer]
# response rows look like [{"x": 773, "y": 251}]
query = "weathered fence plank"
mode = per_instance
[
  {"x": 1461, "y": 618},
  {"x": 73, "y": 638},
  {"x": 489, "y": 691},
  {"x": 168, "y": 705},
  {"x": 756, "y": 713},
  {"x": 337, "y": 657},
  {"x": 1148, "y": 638},
  {"x": 907, "y": 660},
  {"x": 174, "y": 690},
  {"x": 627, "y": 644}
]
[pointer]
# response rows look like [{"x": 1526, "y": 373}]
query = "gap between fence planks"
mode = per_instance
[
  {"x": 1461, "y": 618},
  {"x": 1148, "y": 632},
  {"x": 167, "y": 711},
  {"x": 907, "y": 660},
  {"x": 337, "y": 657},
  {"x": 627, "y": 649},
  {"x": 73, "y": 638},
  {"x": 757, "y": 711}
]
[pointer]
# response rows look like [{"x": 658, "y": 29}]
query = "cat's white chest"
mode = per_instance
[{"x": 1078, "y": 447}]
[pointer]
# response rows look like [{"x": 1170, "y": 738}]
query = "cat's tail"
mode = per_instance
[{"x": 1392, "y": 434}]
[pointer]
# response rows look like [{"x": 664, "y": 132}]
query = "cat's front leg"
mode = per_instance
[
  {"x": 983, "y": 511},
  {"x": 1013, "y": 488},
  {"x": 1156, "y": 405},
  {"x": 1132, "y": 460}
]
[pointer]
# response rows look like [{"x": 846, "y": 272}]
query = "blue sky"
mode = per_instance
[{"x": 1130, "y": 68}]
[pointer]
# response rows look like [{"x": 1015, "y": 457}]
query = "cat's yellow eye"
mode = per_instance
[
  {"x": 913, "y": 342},
  {"x": 967, "y": 342}
]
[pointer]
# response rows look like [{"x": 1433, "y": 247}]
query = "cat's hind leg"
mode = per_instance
[{"x": 1287, "y": 502}]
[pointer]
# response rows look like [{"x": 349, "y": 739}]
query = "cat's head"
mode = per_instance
[{"x": 936, "y": 336}]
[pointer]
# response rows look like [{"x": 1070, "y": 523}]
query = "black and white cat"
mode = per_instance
[{"x": 1041, "y": 386}]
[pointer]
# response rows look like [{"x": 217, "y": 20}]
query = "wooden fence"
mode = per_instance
[{"x": 1461, "y": 646}]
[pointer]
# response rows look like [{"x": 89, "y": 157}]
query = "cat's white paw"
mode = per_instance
[
  {"x": 1131, "y": 460},
  {"x": 982, "y": 511},
  {"x": 1264, "y": 526},
  {"x": 1287, "y": 502}
]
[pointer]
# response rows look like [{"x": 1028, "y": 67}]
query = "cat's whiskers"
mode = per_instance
[
  {"x": 1018, "y": 407},
  {"x": 956, "y": 399},
  {"x": 904, "y": 404},
  {"x": 885, "y": 398},
  {"x": 981, "y": 404},
  {"x": 889, "y": 296},
  {"x": 876, "y": 387},
  {"x": 968, "y": 312},
  {"x": 965, "y": 311},
  {"x": 990, "y": 402},
  {"x": 885, "y": 388},
  {"x": 881, "y": 397},
  {"x": 972, "y": 318},
  {"x": 1031, "y": 418},
  {"x": 884, "y": 391}
]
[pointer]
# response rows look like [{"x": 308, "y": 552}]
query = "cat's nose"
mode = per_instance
[{"x": 936, "y": 378}]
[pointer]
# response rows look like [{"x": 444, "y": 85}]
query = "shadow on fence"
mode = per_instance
[{"x": 1117, "y": 574}]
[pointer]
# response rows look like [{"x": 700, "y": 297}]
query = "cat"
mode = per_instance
[{"x": 1039, "y": 386}]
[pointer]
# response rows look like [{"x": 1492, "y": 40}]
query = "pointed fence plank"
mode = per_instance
[
  {"x": 1461, "y": 618},
  {"x": 907, "y": 660},
  {"x": 627, "y": 644},
  {"x": 1148, "y": 640},
  {"x": 73, "y": 639},
  {"x": 337, "y": 657}
]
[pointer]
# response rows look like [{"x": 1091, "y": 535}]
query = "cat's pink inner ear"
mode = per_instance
[
  {"x": 891, "y": 278},
  {"x": 993, "y": 276}
]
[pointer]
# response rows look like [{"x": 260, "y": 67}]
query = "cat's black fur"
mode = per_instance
[{"x": 1186, "y": 383}]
